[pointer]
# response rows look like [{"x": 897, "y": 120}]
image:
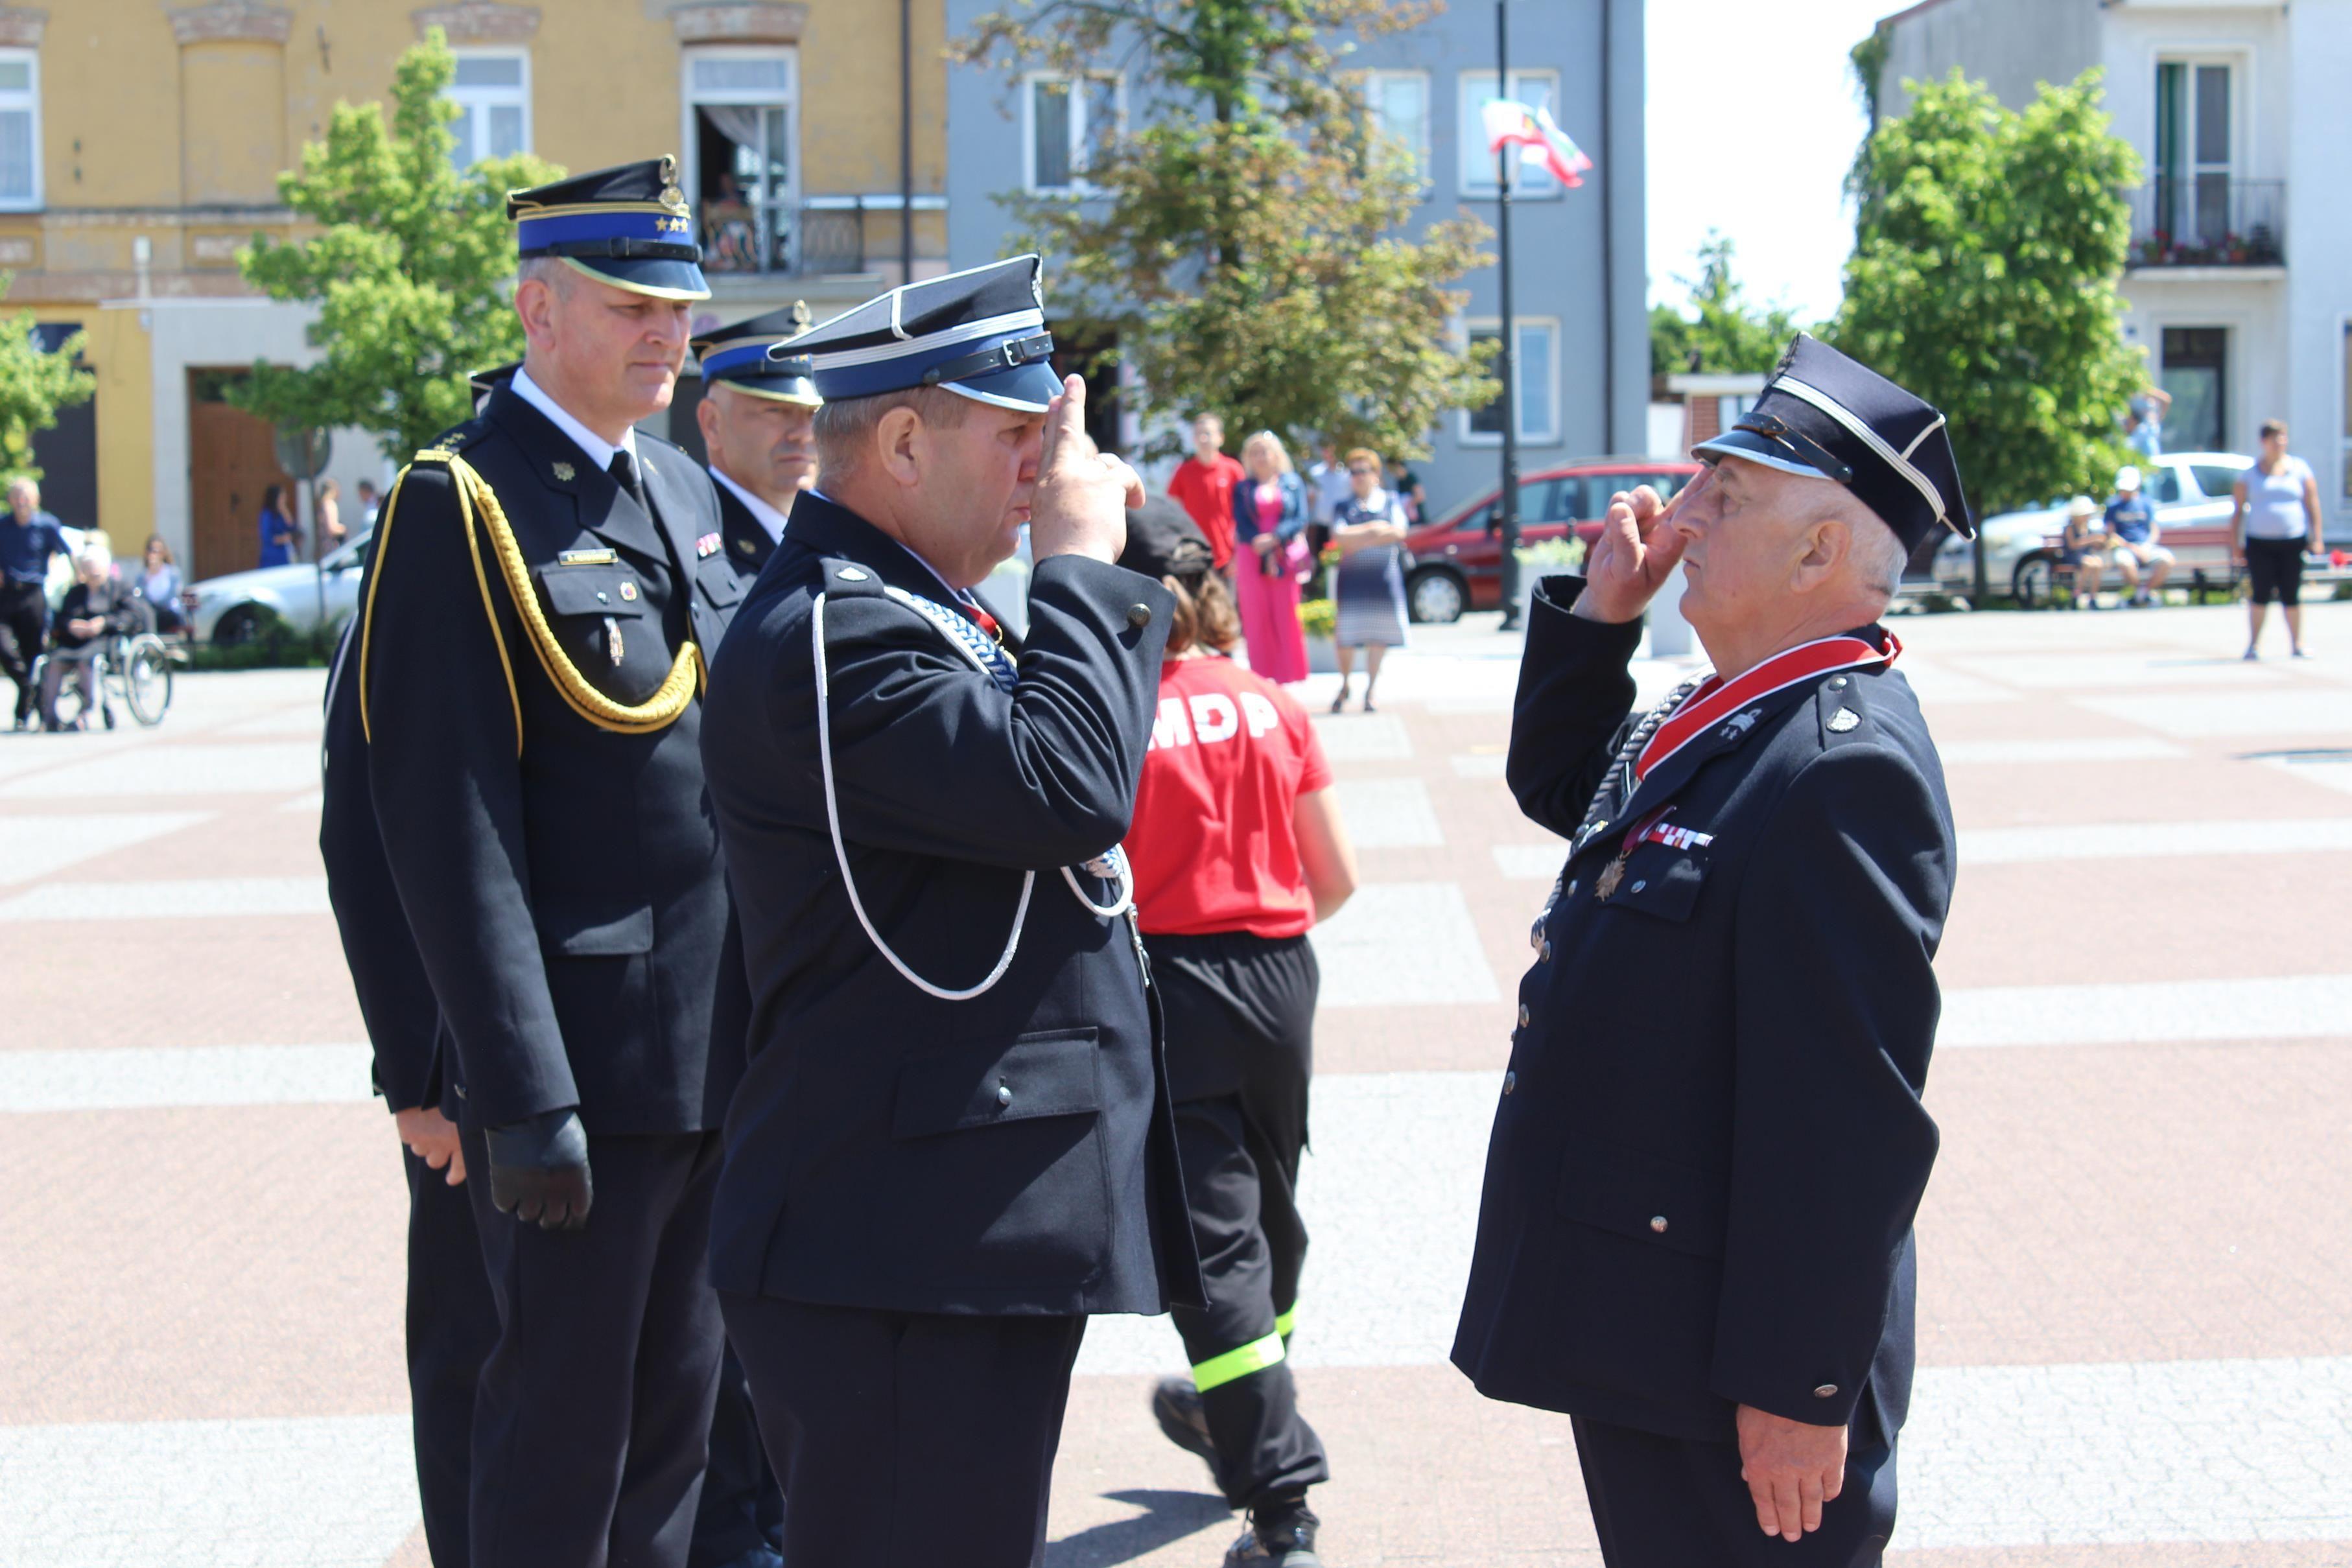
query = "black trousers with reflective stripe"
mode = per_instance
[{"x": 1240, "y": 1013}]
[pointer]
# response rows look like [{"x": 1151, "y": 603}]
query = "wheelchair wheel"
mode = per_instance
[{"x": 147, "y": 678}]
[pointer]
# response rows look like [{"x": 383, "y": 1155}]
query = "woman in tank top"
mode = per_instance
[{"x": 2275, "y": 520}]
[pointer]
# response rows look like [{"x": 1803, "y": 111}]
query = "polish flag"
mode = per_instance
[{"x": 1538, "y": 136}]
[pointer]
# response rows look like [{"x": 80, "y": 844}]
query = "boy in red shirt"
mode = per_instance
[
  {"x": 1236, "y": 849},
  {"x": 1203, "y": 485}
]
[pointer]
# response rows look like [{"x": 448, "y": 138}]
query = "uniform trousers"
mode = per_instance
[
  {"x": 908, "y": 1440},
  {"x": 592, "y": 1422},
  {"x": 23, "y": 632},
  {"x": 452, "y": 1324},
  {"x": 1671, "y": 1502},
  {"x": 1240, "y": 1014},
  {"x": 742, "y": 1508}
]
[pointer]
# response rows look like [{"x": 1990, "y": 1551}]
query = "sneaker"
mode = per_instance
[
  {"x": 1281, "y": 1535},
  {"x": 2250, "y": 656},
  {"x": 1176, "y": 1406}
]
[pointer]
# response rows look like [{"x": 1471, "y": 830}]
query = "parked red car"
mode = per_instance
[{"x": 1457, "y": 560}]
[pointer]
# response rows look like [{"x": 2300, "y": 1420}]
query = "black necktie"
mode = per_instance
[{"x": 624, "y": 475}]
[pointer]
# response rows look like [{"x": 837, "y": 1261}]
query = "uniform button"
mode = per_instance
[
  {"x": 1838, "y": 685},
  {"x": 1640, "y": 885},
  {"x": 1544, "y": 956},
  {"x": 1511, "y": 1081},
  {"x": 1524, "y": 1015},
  {"x": 1004, "y": 1095},
  {"x": 1826, "y": 1391},
  {"x": 1658, "y": 1223},
  {"x": 1138, "y": 616},
  {"x": 1571, "y": 890},
  {"x": 600, "y": 597}
]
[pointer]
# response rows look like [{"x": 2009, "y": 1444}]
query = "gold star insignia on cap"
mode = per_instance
[{"x": 564, "y": 471}]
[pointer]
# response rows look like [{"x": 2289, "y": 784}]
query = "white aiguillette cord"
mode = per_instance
[{"x": 1112, "y": 865}]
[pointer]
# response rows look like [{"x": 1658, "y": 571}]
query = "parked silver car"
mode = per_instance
[
  {"x": 239, "y": 607},
  {"x": 2190, "y": 491}
]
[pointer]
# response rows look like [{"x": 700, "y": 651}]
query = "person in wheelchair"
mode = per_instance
[{"x": 96, "y": 609}]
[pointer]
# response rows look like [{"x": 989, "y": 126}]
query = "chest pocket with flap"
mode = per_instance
[
  {"x": 1662, "y": 882},
  {"x": 601, "y": 616}
]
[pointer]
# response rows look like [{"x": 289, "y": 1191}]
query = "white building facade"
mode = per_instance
[{"x": 2240, "y": 280}]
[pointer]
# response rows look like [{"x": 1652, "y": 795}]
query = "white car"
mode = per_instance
[
  {"x": 2190, "y": 491},
  {"x": 239, "y": 607}
]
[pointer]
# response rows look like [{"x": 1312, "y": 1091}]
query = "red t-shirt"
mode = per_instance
[
  {"x": 1205, "y": 491},
  {"x": 1214, "y": 847}
]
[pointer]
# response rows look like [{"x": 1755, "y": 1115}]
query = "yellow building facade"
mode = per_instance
[{"x": 140, "y": 143}]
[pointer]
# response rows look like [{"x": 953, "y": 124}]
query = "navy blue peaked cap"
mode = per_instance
[
  {"x": 628, "y": 226},
  {"x": 1826, "y": 416},
  {"x": 750, "y": 357},
  {"x": 980, "y": 333}
]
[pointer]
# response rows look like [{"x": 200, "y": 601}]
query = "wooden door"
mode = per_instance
[{"x": 231, "y": 459}]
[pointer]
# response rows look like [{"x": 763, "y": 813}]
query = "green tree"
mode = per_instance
[
  {"x": 1248, "y": 244},
  {"x": 408, "y": 266},
  {"x": 1983, "y": 276},
  {"x": 34, "y": 383},
  {"x": 1722, "y": 333}
]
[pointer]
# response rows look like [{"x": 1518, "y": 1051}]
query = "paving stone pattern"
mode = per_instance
[{"x": 2135, "y": 1277}]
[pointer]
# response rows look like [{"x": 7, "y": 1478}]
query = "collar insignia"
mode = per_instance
[
  {"x": 746, "y": 546},
  {"x": 1739, "y": 724},
  {"x": 564, "y": 471}
]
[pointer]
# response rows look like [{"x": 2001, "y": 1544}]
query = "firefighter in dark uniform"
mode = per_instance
[
  {"x": 450, "y": 1321},
  {"x": 758, "y": 419},
  {"x": 1696, "y": 1233},
  {"x": 544, "y": 582},
  {"x": 953, "y": 1139}
]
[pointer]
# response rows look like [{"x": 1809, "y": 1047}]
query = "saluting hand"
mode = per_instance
[
  {"x": 1636, "y": 547},
  {"x": 1083, "y": 493},
  {"x": 1792, "y": 1469}
]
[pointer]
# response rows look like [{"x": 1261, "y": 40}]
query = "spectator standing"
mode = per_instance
[
  {"x": 2133, "y": 535},
  {"x": 281, "y": 537},
  {"x": 2144, "y": 422},
  {"x": 1408, "y": 488},
  {"x": 369, "y": 504},
  {"x": 1327, "y": 486},
  {"x": 2079, "y": 547},
  {"x": 2273, "y": 519},
  {"x": 1237, "y": 849},
  {"x": 1270, "y": 529},
  {"x": 95, "y": 607},
  {"x": 158, "y": 585},
  {"x": 29, "y": 540},
  {"x": 326, "y": 512},
  {"x": 1369, "y": 529},
  {"x": 1203, "y": 485}
]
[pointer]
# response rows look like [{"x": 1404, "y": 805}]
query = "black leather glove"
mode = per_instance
[{"x": 539, "y": 1170}]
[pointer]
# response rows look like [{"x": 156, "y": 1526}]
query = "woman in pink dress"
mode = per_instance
[{"x": 1270, "y": 558}]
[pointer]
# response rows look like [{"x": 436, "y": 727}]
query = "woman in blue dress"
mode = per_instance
[
  {"x": 281, "y": 538},
  {"x": 1369, "y": 530}
]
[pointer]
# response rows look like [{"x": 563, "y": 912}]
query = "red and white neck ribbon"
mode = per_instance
[{"x": 1717, "y": 701}]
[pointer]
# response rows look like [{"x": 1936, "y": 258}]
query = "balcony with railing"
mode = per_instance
[
  {"x": 821, "y": 236},
  {"x": 2209, "y": 220}
]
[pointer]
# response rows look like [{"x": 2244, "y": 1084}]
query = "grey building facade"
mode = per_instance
[{"x": 1579, "y": 283}]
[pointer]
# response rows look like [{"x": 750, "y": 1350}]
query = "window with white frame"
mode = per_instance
[
  {"x": 1398, "y": 103},
  {"x": 20, "y": 129},
  {"x": 1534, "y": 385},
  {"x": 1067, "y": 124},
  {"x": 492, "y": 92},
  {"x": 2196, "y": 140},
  {"x": 2347, "y": 411},
  {"x": 1536, "y": 89},
  {"x": 742, "y": 159}
]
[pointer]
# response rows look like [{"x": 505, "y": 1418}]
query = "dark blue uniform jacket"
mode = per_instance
[
  {"x": 1011, "y": 1153},
  {"x": 746, "y": 543},
  {"x": 1709, "y": 1144},
  {"x": 564, "y": 884}
]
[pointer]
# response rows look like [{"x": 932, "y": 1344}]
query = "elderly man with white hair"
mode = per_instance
[
  {"x": 29, "y": 540},
  {"x": 1695, "y": 1235}
]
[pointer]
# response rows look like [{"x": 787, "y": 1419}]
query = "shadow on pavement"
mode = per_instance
[{"x": 1168, "y": 1515}]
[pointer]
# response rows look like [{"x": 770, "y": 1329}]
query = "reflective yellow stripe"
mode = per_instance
[
  {"x": 1255, "y": 1356},
  {"x": 1286, "y": 1323}
]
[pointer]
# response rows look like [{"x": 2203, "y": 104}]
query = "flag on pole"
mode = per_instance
[{"x": 1539, "y": 139}]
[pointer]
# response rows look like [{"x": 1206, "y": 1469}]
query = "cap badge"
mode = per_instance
[
  {"x": 672, "y": 196},
  {"x": 1844, "y": 719},
  {"x": 706, "y": 545},
  {"x": 564, "y": 471}
]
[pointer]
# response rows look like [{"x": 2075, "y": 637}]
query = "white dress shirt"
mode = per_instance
[
  {"x": 771, "y": 521},
  {"x": 599, "y": 450}
]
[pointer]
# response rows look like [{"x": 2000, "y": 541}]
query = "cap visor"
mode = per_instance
[
  {"x": 1031, "y": 388},
  {"x": 1757, "y": 449},
  {"x": 661, "y": 280},
  {"x": 779, "y": 388}
]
